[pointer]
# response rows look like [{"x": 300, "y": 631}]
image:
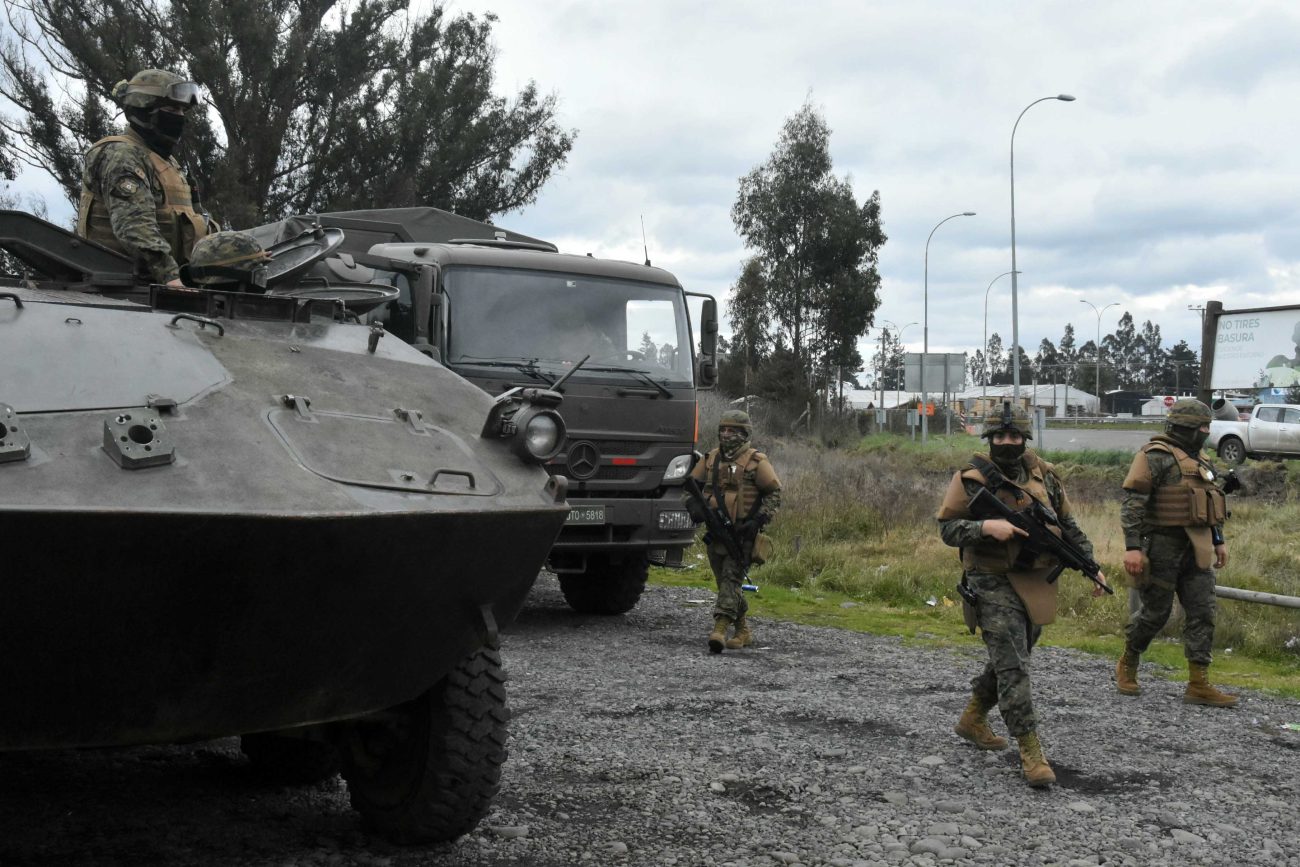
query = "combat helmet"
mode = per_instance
[
  {"x": 737, "y": 418},
  {"x": 224, "y": 259},
  {"x": 1007, "y": 417},
  {"x": 152, "y": 88},
  {"x": 1189, "y": 412}
]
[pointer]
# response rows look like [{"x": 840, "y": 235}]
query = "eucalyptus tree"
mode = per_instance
[{"x": 310, "y": 104}]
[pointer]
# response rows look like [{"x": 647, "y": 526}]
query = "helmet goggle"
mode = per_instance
[{"x": 183, "y": 92}]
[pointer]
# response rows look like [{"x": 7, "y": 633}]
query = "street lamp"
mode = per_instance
[
  {"x": 1098, "y": 343},
  {"x": 1015, "y": 303},
  {"x": 985, "y": 349},
  {"x": 898, "y": 335},
  {"x": 925, "y": 342}
]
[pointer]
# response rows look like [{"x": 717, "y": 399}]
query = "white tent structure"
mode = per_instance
[{"x": 1058, "y": 400}]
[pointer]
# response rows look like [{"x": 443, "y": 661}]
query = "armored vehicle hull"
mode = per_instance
[{"x": 267, "y": 522}]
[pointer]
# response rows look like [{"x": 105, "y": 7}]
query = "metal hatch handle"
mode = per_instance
[{"x": 202, "y": 320}]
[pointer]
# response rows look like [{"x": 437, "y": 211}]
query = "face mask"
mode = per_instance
[
  {"x": 1006, "y": 455},
  {"x": 731, "y": 442},
  {"x": 168, "y": 124},
  {"x": 1190, "y": 438}
]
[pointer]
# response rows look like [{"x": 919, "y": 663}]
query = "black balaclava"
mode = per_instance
[
  {"x": 1007, "y": 456},
  {"x": 1190, "y": 438},
  {"x": 159, "y": 129}
]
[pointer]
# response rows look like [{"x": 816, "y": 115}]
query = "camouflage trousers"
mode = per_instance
[
  {"x": 1008, "y": 637},
  {"x": 726, "y": 571},
  {"x": 1174, "y": 572}
]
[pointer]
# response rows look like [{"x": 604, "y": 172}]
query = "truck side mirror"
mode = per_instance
[{"x": 708, "y": 367}]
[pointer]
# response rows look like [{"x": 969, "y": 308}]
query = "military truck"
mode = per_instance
[
  {"x": 250, "y": 513},
  {"x": 510, "y": 310}
]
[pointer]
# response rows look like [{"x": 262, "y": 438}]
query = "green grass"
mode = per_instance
[
  {"x": 858, "y": 525},
  {"x": 942, "y": 626}
]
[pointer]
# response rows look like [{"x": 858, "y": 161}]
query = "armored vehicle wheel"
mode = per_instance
[
  {"x": 608, "y": 586},
  {"x": 426, "y": 771},
  {"x": 289, "y": 760},
  {"x": 1232, "y": 450}
]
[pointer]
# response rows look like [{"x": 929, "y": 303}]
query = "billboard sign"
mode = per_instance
[
  {"x": 1257, "y": 348},
  {"x": 944, "y": 372}
]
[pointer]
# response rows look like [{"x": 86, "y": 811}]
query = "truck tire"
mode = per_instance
[
  {"x": 426, "y": 771},
  {"x": 288, "y": 760},
  {"x": 608, "y": 586},
  {"x": 1232, "y": 450}
]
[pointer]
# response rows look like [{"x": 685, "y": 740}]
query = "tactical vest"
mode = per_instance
[
  {"x": 178, "y": 222},
  {"x": 999, "y": 558},
  {"x": 990, "y": 555},
  {"x": 1193, "y": 500},
  {"x": 742, "y": 481}
]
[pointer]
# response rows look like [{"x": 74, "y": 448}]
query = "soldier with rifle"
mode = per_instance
[
  {"x": 1008, "y": 513},
  {"x": 740, "y": 495}
]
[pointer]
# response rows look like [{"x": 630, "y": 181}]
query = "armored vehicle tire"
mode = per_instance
[
  {"x": 289, "y": 760},
  {"x": 1232, "y": 450},
  {"x": 608, "y": 586},
  {"x": 426, "y": 771}
]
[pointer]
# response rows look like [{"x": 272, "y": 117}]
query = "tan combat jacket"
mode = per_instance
[
  {"x": 742, "y": 481},
  {"x": 1191, "y": 500}
]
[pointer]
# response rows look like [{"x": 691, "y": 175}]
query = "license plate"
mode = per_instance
[{"x": 586, "y": 515}]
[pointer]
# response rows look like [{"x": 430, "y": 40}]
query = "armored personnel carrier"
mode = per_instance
[{"x": 248, "y": 513}]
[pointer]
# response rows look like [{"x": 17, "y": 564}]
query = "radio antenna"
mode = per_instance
[{"x": 643, "y": 243}]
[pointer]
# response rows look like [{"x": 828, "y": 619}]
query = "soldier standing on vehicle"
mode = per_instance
[
  {"x": 134, "y": 197},
  {"x": 738, "y": 480},
  {"x": 1172, "y": 516},
  {"x": 1012, "y": 603}
]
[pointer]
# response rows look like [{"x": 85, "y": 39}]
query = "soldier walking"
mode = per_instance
[
  {"x": 1172, "y": 516},
  {"x": 739, "y": 480},
  {"x": 1013, "y": 602},
  {"x": 134, "y": 197}
]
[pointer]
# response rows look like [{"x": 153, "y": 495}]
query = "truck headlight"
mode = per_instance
[
  {"x": 678, "y": 467},
  {"x": 539, "y": 434},
  {"x": 676, "y": 520}
]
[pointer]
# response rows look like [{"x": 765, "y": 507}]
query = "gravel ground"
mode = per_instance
[{"x": 631, "y": 744}]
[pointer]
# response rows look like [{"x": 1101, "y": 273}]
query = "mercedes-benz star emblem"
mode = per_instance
[{"x": 584, "y": 460}]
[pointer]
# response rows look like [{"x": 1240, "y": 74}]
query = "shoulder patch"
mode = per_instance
[{"x": 127, "y": 185}]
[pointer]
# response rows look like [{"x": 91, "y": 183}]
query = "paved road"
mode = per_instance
[{"x": 1077, "y": 439}]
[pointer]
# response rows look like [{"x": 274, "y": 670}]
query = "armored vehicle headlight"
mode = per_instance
[
  {"x": 678, "y": 467},
  {"x": 539, "y": 433}
]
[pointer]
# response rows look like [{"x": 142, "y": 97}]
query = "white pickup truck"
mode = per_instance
[{"x": 1273, "y": 430}]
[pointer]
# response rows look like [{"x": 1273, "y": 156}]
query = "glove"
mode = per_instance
[{"x": 695, "y": 510}]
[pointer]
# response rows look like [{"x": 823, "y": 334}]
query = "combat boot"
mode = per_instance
[
  {"x": 974, "y": 727},
  {"x": 718, "y": 637},
  {"x": 1126, "y": 673},
  {"x": 1199, "y": 690},
  {"x": 1033, "y": 764},
  {"x": 743, "y": 637}
]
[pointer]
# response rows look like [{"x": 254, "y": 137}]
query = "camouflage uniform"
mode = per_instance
[
  {"x": 1173, "y": 568},
  {"x": 224, "y": 259},
  {"x": 1173, "y": 514},
  {"x": 135, "y": 199},
  {"x": 1009, "y": 632},
  {"x": 1012, "y": 598},
  {"x": 751, "y": 495}
]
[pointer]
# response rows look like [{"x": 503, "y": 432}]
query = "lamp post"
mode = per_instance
[
  {"x": 925, "y": 342},
  {"x": 984, "y": 398},
  {"x": 1098, "y": 343},
  {"x": 1015, "y": 296}
]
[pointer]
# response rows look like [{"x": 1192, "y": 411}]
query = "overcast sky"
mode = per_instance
[{"x": 1174, "y": 178}]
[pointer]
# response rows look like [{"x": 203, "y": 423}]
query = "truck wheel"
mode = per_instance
[
  {"x": 426, "y": 771},
  {"x": 289, "y": 760},
  {"x": 1232, "y": 450},
  {"x": 608, "y": 586}
]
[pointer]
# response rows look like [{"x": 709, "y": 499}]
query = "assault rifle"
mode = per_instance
[
  {"x": 720, "y": 527},
  {"x": 1035, "y": 521}
]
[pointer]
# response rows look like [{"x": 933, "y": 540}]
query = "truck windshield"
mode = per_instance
[{"x": 547, "y": 319}]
